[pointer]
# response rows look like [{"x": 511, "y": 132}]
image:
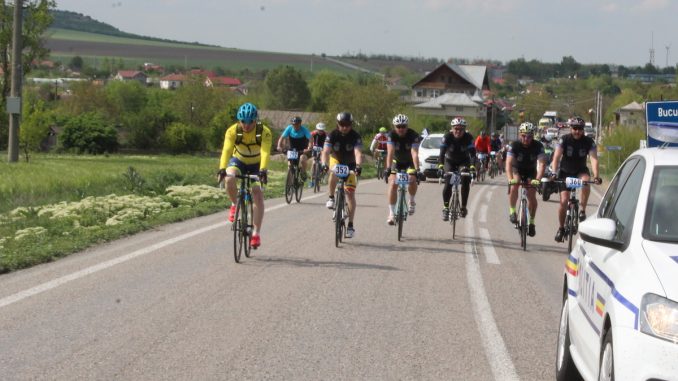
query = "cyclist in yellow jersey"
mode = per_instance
[{"x": 247, "y": 148}]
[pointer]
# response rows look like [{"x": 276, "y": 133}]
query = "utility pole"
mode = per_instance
[{"x": 14, "y": 101}]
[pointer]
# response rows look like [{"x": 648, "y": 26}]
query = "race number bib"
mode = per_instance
[
  {"x": 402, "y": 178},
  {"x": 481, "y": 156},
  {"x": 292, "y": 155},
  {"x": 493, "y": 153},
  {"x": 341, "y": 170},
  {"x": 573, "y": 183}
]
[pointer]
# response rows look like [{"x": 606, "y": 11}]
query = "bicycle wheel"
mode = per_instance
[
  {"x": 247, "y": 218},
  {"x": 523, "y": 224},
  {"x": 400, "y": 211},
  {"x": 380, "y": 169},
  {"x": 298, "y": 185},
  {"x": 454, "y": 212},
  {"x": 315, "y": 170},
  {"x": 570, "y": 223},
  {"x": 289, "y": 184},
  {"x": 238, "y": 237},
  {"x": 338, "y": 217}
]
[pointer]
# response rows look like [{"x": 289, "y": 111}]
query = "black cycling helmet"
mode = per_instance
[
  {"x": 576, "y": 122},
  {"x": 345, "y": 118},
  {"x": 296, "y": 119}
]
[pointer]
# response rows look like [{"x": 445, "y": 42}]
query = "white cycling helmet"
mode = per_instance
[
  {"x": 458, "y": 121},
  {"x": 526, "y": 128},
  {"x": 401, "y": 119},
  {"x": 320, "y": 126}
]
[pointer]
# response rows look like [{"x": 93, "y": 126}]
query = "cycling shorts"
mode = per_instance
[
  {"x": 351, "y": 181},
  {"x": 244, "y": 169}
]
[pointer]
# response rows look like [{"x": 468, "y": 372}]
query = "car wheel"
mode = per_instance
[
  {"x": 565, "y": 368},
  {"x": 606, "y": 371}
]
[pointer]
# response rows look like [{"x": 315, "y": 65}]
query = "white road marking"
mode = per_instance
[
  {"x": 108, "y": 264},
  {"x": 488, "y": 248},
  {"x": 483, "y": 214},
  {"x": 493, "y": 344}
]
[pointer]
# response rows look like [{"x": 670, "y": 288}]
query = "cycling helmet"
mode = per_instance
[
  {"x": 296, "y": 119},
  {"x": 382, "y": 129},
  {"x": 400, "y": 120},
  {"x": 458, "y": 121},
  {"x": 576, "y": 122},
  {"x": 526, "y": 128},
  {"x": 247, "y": 113},
  {"x": 494, "y": 135},
  {"x": 483, "y": 133},
  {"x": 344, "y": 118},
  {"x": 320, "y": 126}
]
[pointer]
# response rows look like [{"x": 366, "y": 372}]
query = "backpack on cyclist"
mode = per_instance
[{"x": 239, "y": 133}]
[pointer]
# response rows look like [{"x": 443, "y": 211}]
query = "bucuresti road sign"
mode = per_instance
[{"x": 662, "y": 123}]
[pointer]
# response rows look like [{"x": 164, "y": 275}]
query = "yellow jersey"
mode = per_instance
[{"x": 248, "y": 151}]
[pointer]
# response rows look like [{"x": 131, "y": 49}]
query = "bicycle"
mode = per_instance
[
  {"x": 294, "y": 185},
  {"x": 482, "y": 166},
  {"x": 523, "y": 212},
  {"x": 317, "y": 174},
  {"x": 244, "y": 212},
  {"x": 494, "y": 167},
  {"x": 572, "y": 213},
  {"x": 402, "y": 180},
  {"x": 455, "y": 202},
  {"x": 380, "y": 163},
  {"x": 340, "y": 206}
]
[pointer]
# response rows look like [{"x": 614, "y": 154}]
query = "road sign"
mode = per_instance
[
  {"x": 613, "y": 148},
  {"x": 662, "y": 123}
]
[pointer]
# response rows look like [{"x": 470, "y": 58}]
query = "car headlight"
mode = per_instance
[{"x": 659, "y": 317}]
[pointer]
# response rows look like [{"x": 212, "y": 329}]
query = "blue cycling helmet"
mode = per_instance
[{"x": 247, "y": 113}]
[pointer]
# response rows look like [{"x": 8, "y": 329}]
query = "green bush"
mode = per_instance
[
  {"x": 626, "y": 137},
  {"x": 181, "y": 138},
  {"x": 89, "y": 133}
]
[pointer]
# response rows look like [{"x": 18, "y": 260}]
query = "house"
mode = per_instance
[
  {"x": 222, "y": 82},
  {"x": 172, "y": 81},
  {"x": 632, "y": 115},
  {"x": 452, "y": 90},
  {"x": 131, "y": 75},
  {"x": 202, "y": 73}
]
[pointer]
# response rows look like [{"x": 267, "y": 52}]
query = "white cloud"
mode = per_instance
[
  {"x": 652, "y": 5},
  {"x": 485, "y": 5}
]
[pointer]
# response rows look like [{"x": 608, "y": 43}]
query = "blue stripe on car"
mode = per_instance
[{"x": 625, "y": 302}]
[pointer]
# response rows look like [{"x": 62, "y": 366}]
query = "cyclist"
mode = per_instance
[
  {"x": 456, "y": 153},
  {"x": 525, "y": 161},
  {"x": 296, "y": 137},
  {"x": 378, "y": 145},
  {"x": 315, "y": 145},
  {"x": 402, "y": 154},
  {"x": 483, "y": 146},
  {"x": 247, "y": 148},
  {"x": 343, "y": 146},
  {"x": 569, "y": 160},
  {"x": 496, "y": 146}
]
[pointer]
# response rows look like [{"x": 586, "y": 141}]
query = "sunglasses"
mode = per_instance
[
  {"x": 458, "y": 129},
  {"x": 526, "y": 136},
  {"x": 345, "y": 125},
  {"x": 401, "y": 126},
  {"x": 577, "y": 128}
]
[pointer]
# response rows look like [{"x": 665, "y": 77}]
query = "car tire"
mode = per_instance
[
  {"x": 606, "y": 369},
  {"x": 566, "y": 370}
]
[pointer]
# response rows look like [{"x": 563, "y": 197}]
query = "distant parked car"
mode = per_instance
[
  {"x": 619, "y": 318},
  {"x": 589, "y": 130},
  {"x": 429, "y": 150}
]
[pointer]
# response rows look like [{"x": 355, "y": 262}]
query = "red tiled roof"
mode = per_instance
[
  {"x": 226, "y": 81},
  {"x": 129, "y": 73}
]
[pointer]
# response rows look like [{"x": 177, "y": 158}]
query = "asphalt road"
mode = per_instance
[{"x": 172, "y": 304}]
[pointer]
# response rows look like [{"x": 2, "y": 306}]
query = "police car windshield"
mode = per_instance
[
  {"x": 660, "y": 221},
  {"x": 432, "y": 142}
]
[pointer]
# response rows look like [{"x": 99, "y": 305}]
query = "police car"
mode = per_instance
[
  {"x": 429, "y": 151},
  {"x": 619, "y": 318}
]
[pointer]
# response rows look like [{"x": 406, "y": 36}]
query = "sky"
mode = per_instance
[{"x": 618, "y": 32}]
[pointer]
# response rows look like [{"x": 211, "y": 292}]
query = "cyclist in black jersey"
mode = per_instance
[
  {"x": 343, "y": 146},
  {"x": 569, "y": 160},
  {"x": 402, "y": 153},
  {"x": 456, "y": 154},
  {"x": 525, "y": 161}
]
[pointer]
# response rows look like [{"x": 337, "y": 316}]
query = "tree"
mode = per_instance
[
  {"x": 372, "y": 105},
  {"x": 37, "y": 18},
  {"x": 182, "y": 138},
  {"x": 89, "y": 133},
  {"x": 76, "y": 63},
  {"x": 322, "y": 86},
  {"x": 287, "y": 89},
  {"x": 34, "y": 129}
]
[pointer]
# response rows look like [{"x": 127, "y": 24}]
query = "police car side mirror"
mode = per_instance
[{"x": 600, "y": 231}]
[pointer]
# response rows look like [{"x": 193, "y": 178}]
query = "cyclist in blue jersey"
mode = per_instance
[{"x": 296, "y": 137}]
